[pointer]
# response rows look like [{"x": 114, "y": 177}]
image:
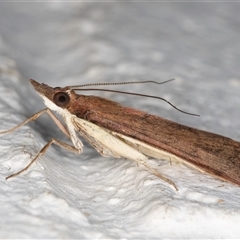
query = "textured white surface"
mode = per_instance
[{"x": 65, "y": 195}]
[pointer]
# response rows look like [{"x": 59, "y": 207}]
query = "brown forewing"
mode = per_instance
[{"x": 215, "y": 154}]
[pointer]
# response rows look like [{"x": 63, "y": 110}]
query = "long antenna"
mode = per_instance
[{"x": 117, "y": 83}]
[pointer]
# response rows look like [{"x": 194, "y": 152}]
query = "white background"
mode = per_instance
[{"x": 65, "y": 195}]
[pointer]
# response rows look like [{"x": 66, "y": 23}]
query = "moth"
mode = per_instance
[{"x": 118, "y": 131}]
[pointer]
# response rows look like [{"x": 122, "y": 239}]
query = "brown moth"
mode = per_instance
[{"x": 118, "y": 131}]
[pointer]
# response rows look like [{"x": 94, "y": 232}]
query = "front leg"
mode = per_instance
[{"x": 35, "y": 117}]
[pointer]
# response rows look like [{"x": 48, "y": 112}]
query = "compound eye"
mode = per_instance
[{"x": 61, "y": 99}]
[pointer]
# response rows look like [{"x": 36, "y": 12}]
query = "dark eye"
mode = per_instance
[{"x": 61, "y": 99}]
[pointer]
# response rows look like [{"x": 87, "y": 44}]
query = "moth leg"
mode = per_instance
[
  {"x": 156, "y": 173},
  {"x": 43, "y": 151},
  {"x": 37, "y": 115}
]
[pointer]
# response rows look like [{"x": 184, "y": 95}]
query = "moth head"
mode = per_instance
[{"x": 57, "y": 99}]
